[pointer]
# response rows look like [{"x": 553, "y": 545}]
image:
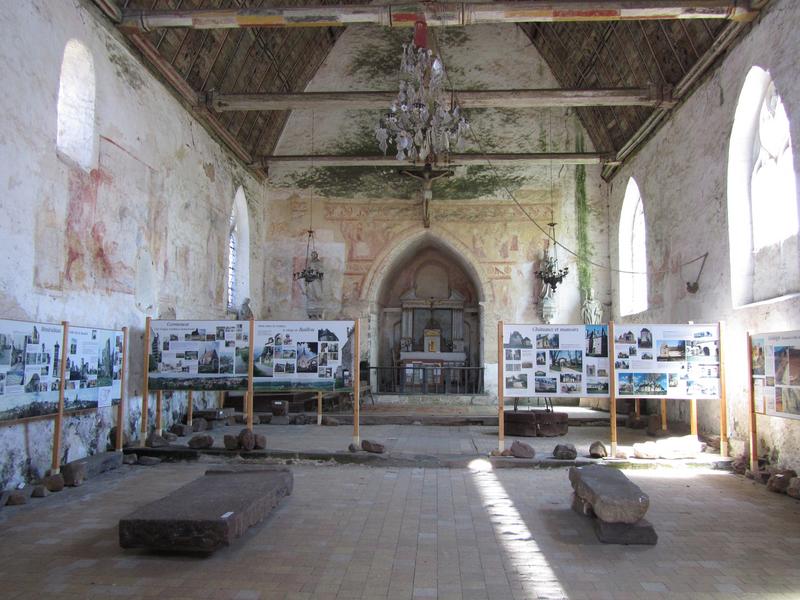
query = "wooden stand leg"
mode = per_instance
[
  {"x": 159, "y": 410},
  {"x": 637, "y": 407},
  {"x": 663, "y": 414},
  {"x": 693, "y": 415},
  {"x": 501, "y": 419},
  {"x": 753, "y": 418},
  {"x": 145, "y": 424},
  {"x": 189, "y": 409},
  {"x": 723, "y": 402},
  {"x": 122, "y": 382},
  {"x": 357, "y": 383},
  {"x": 55, "y": 467},
  {"x": 612, "y": 390},
  {"x": 319, "y": 408}
]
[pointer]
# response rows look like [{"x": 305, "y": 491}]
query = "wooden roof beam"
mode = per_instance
[
  {"x": 437, "y": 14},
  {"x": 454, "y": 160},
  {"x": 530, "y": 98}
]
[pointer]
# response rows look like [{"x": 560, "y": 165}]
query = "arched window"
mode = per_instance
[
  {"x": 762, "y": 196},
  {"x": 75, "y": 112},
  {"x": 238, "y": 287},
  {"x": 632, "y": 253}
]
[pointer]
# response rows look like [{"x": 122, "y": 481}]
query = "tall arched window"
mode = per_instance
[
  {"x": 75, "y": 111},
  {"x": 762, "y": 196},
  {"x": 238, "y": 287},
  {"x": 632, "y": 253}
]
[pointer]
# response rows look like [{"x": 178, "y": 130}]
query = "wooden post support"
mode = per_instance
[
  {"x": 189, "y": 408},
  {"x": 122, "y": 383},
  {"x": 501, "y": 419},
  {"x": 56, "y": 464},
  {"x": 753, "y": 418},
  {"x": 159, "y": 411},
  {"x": 356, "y": 383},
  {"x": 249, "y": 398},
  {"x": 637, "y": 407},
  {"x": 612, "y": 391},
  {"x": 319, "y": 408},
  {"x": 693, "y": 415},
  {"x": 221, "y": 401},
  {"x": 146, "y": 383},
  {"x": 663, "y": 414},
  {"x": 723, "y": 401}
]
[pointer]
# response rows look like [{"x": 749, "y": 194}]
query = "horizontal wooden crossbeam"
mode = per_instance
[
  {"x": 530, "y": 98},
  {"x": 437, "y": 13},
  {"x": 454, "y": 160}
]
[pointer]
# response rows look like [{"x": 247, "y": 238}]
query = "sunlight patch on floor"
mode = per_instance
[{"x": 526, "y": 558}]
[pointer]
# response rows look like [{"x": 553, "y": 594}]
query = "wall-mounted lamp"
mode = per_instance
[{"x": 693, "y": 286}]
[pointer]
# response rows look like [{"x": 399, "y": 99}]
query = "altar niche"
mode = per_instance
[{"x": 429, "y": 312}]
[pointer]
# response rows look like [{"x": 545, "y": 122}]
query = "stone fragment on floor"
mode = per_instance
[
  {"x": 522, "y": 450},
  {"x": 54, "y": 483},
  {"x": 201, "y": 441},
  {"x": 372, "y": 446},
  {"x": 154, "y": 440},
  {"x": 565, "y": 452},
  {"x": 598, "y": 450},
  {"x": 779, "y": 480},
  {"x": 74, "y": 473}
]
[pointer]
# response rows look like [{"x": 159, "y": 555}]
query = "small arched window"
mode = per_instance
[
  {"x": 75, "y": 111},
  {"x": 762, "y": 196},
  {"x": 238, "y": 284},
  {"x": 632, "y": 253}
]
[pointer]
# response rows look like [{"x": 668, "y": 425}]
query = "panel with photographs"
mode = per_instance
[
  {"x": 308, "y": 355},
  {"x": 94, "y": 362},
  {"x": 199, "y": 355},
  {"x": 30, "y": 360},
  {"x": 562, "y": 360},
  {"x": 776, "y": 373},
  {"x": 667, "y": 361}
]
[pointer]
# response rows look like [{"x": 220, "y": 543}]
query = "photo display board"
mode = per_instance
[
  {"x": 776, "y": 373},
  {"x": 555, "y": 360},
  {"x": 667, "y": 361},
  {"x": 94, "y": 362},
  {"x": 30, "y": 359},
  {"x": 199, "y": 355},
  {"x": 308, "y": 355}
]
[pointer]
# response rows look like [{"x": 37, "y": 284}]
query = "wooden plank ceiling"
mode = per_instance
[{"x": 584, "y": 55}]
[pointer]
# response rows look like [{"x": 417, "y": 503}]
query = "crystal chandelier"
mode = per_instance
[
  {"x": 551, "y": 275},
  {"x": 422, "y": 123}
]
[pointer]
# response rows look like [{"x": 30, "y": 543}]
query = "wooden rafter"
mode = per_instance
[{"x": 533, "y": 98}]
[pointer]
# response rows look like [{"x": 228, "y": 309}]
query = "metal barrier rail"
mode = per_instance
[{"x": 428, "y": 380}]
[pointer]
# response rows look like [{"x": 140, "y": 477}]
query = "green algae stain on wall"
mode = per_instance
[{"x": 584, "y": 249}]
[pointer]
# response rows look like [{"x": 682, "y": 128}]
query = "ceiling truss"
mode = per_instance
[{"x": 241, "y": 67}]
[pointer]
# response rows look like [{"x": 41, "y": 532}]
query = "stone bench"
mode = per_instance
[
  {"x": 207, "y": 513},
  {"x": 618, "y": 504}
]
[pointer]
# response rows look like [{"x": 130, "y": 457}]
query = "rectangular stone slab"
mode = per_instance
[
  {"x": 614, "y": 497},
  {"x": 207, "y": 513},
  {"x": 641, "y": 532}
]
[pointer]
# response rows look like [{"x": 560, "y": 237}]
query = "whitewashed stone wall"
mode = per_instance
[
  {"x": 682, "y": 177},
  {"x": 159, "y": 186}
]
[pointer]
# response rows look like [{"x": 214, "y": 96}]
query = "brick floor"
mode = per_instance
[{"x": 361, "y": 532}]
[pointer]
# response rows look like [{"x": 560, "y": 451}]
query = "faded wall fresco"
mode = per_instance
[{"x": 151, "y": 211}]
